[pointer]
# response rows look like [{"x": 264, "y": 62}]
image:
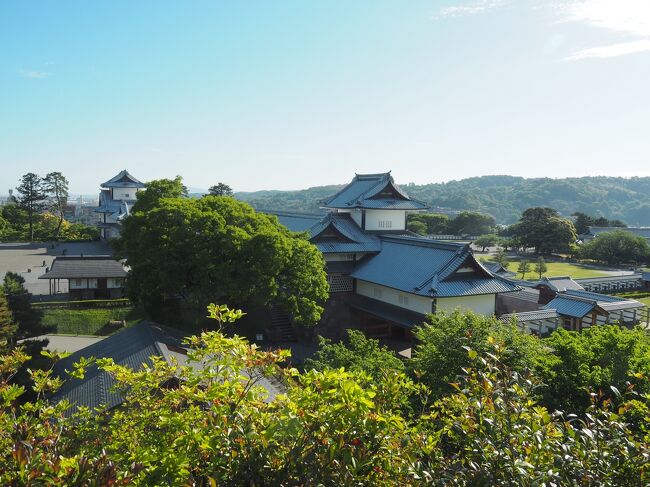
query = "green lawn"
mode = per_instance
[
  {"x": 89, "y": 321},
  {"x": 576, "y": 271}
]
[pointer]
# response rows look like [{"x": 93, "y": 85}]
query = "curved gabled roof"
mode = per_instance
[
  {"x": 123, "y": 180},
  {"x": 429, "y": 268},
  {"x": 364, "y": 192},
  {"x": 349, "y": 237}
]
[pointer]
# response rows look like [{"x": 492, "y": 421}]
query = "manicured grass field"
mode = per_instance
[
  {"x": 89, "y": 321},
  {"x": 555, "y": 269}
]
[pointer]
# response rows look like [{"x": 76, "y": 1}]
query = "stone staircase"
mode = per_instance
[{"x": 281, "y": 325}]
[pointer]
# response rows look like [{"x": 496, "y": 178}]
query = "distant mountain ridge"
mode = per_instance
[{"x": 504, "y": 197}]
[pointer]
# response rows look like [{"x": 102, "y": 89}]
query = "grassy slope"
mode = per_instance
[{"x": 88, "y": 321}]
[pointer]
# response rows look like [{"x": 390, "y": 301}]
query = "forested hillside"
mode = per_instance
[{"x": 504, "y": 197}]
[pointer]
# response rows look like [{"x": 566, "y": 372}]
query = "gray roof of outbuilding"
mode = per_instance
[
  {"x": 559, "y": 284},
  {"x": 123, "y": 180},
  {"x": 361, "y": 192},
  {"x": 87, "y": 266},
  {"x": 537, "y": 315},
  {"x": 427, "y": 268},
  {"x": 132, "y": 347},
  {"x": 568, "y": 306}
]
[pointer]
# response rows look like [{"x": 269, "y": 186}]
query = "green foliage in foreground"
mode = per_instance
[
  {"x": 359, "y": 354},
  {"x": 89, "y": 321},
  {"x": 331, "y": 427},
  {"x": 594, "y": 360},
  {"x": 440, "y": 353}
]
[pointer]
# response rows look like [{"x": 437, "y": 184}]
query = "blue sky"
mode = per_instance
[{"x": 291, "y": 94}]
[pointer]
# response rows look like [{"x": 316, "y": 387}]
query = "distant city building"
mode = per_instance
[{"x": 115, "y": 201}]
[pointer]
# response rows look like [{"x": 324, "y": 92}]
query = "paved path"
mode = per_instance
[
  {"x": 27, "y": 260},
  {"x": 67, "y": 343}
]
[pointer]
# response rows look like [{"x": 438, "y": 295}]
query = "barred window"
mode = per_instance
[
  {"x": 376, "y": 292},
  {"x": 403, "y": 300},
  {"x": 385, "y": 224},
  {"x": 339, "y": 283}
]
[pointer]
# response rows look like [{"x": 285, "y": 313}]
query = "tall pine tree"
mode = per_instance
[{"x": 31, "y": 197}]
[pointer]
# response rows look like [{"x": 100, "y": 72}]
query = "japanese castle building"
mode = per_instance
[
  {"x": 383, "y": 277},
  {"x": 115, "y": 201}
]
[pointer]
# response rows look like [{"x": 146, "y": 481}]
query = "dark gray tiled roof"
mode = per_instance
[
  {"x": 362, "y": 192},
  {"x": 567, "y": 306},
  {"x": 429, "y": 268},
  {"x": 78, "y": 267},
  {"x": 559, "y": 284},
  {"x": 132, "y": 347},
  {"x": 123, "y": 180},
  {"x": 537, "y": 315}
]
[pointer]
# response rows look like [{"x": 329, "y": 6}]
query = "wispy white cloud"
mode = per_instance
[
  {"x": 627, "y": 17},
  {"x": 473, "y": 8},
  {"x": 612, "y": 50},
  {"x": 29, "y": 73}
]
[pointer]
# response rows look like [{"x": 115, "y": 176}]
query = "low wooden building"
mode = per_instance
[{"x": 88, "y": 277}]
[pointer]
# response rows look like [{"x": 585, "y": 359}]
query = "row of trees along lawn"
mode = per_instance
[
  {"x": 480, "y": 403},
  {"x": 36, "y": 211},
  {"x": 186, "y": 252}
]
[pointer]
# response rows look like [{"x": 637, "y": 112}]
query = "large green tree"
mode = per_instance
[
  {"x": 55, "y": 186},
  {"x": 32, "y": 198},
  {"x": 219, "y": 249},
  {"x": 7, "y": 325},
  {"x": 440, "y": 352},
  {"x": 592, "y": 361},
  {"x": 434, "y": 223},
  {"x": 26, "y": 317},
  {"x": 471, "y": 223},
  {"x": 544, "y": 230},
  {"x": 617, "y": 247},
  {"x": 220, "y": 189},
  {"x": 357, "y": 353}
]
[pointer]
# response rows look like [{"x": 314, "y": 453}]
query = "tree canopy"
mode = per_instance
[
  {"x": 544, "y": 230},
  {"x": 592, "y": 361},
  {"x": 359, "y": 354},
  {"x": 617, "y": 247},
  {"x": 220, "y": 189},
  {"x": 218, "y": 249},
  {"x": 439, "y": 352},
  {"x": 31, "y": 198},
  {"x": 582, "y": 222}
]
